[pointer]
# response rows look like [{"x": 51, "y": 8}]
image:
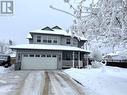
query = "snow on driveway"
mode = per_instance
[
  {"x": 57, "y": 83},
  {"x": 96, "y": 82},
  {"x": 11, "y": 82},
  {"x": 21, "y": 82},
  {"x": 33, "y": 84}
]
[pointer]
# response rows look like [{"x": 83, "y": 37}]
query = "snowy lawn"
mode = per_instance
[
  {"x": 113, "y": 81},
  {"x": 20, "y": 82}
]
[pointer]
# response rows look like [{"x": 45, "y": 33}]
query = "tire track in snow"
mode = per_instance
[
  {"x": 46, "y": 85},
  {"x": 75, "y": 86},
  {"x": 33, "y": 84},
  {"x": 60, "y": 84}
]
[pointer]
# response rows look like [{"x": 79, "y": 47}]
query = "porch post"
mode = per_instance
[
  {"x": 73, "y": 59},
  {"x": 79, "y": 59}
]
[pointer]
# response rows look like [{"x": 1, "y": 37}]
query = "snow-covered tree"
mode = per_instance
[
  {"x": 4, "y": 47},
  {"x": 104, "y": 22}
]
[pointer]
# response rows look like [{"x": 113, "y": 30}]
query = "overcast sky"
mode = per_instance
[{"x": 31, "y": 15}]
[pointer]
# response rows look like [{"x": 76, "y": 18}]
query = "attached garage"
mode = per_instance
[
  {"x": 32, "y": 61},
  {"x": 39, "y": 56}
]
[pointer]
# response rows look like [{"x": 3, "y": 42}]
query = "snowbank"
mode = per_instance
[
  {"x": 96, "y": 82},
  {"x": 6, "y": 70},
  {"x": 3, "y": 70}
]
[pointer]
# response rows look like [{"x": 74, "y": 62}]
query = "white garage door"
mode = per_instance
[{"x": 39, "y": 62}]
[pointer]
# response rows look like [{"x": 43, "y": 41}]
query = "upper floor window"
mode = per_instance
[
  {"x": 68, "y": 41},
  {"x": 75, "y": 42},
  {"x": 49, "y": 40},
  {"x": 55, "y": 40},
  {"x": 38, "y": 38},
  {"x": 19, "y": 56},
  {"x": 45, "y": 39}
]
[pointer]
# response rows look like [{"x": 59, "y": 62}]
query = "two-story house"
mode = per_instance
[{"x": 50, "y": 48}]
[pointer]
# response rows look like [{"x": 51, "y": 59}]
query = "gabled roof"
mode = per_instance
[
  {"x": 56, "y": 27},
  {"x": 56, "y": 30},
  {"x": 48, "y": 47},
  {"x": 47, "y": 28},
  {"x": 52, "y": 32}
]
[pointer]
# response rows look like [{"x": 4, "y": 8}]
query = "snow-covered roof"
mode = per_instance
[
  {"x": 54, "y": 31},
  {"x": 47, "y": 47},
  {"x": 29, "y": 36}
]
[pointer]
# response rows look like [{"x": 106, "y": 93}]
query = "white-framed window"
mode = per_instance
[
  {"x": 45, "y": 39},
  {"x": 55, "y": 40},
  {"x": 68, "y": 41},
  {"x": 75, "y": 42},
  {"x": 38, "y": 39},
  {"x": 49, "y": 40}
]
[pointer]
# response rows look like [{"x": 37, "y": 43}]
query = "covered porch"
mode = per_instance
[{"x": 73, "y": 59}]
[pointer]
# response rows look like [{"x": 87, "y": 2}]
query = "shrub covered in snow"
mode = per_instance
[
  {"x": 96, "y": 64},
  {"x": 96, "y": 55}
]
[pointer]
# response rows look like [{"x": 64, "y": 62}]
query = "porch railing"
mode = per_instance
[{"x": 69, "y": 63}]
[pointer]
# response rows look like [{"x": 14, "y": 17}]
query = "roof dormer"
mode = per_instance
[
  {"x": 57, "y": 27},
  {"x": 47, "y": 28}
]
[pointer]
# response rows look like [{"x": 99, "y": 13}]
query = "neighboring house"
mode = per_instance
[{"x": 50, "y": 48}]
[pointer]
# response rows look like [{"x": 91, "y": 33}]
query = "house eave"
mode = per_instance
[{"x": 50, "y": 47}]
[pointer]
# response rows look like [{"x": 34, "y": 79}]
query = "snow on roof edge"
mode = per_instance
[
  {"x": 29, "y": 36},
  {"x": 48, "y": 47}
]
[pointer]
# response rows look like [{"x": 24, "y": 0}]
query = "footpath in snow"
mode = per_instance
[{"x": 113, "y": 81}]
